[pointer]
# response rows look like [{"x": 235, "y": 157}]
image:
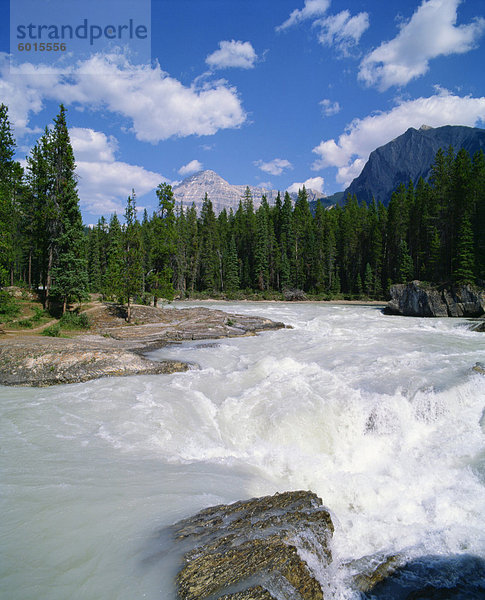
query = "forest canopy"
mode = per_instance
[{"x": 433, "y": 232}]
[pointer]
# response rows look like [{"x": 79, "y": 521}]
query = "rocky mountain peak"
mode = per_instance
[
  {"x": 221, "y": 193},
  {"x": 409, "y": 157}
]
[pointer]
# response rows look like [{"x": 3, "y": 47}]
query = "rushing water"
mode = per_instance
[{"x": 381, "y": 416}]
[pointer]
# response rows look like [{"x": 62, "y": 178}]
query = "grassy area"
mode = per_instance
[
  {"x": 22, "y": 314},
  {"x": 71, "y": 321}
]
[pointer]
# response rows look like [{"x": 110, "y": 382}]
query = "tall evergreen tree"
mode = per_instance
[
  {"x": 9, "y": 210},
  {"x": 163, "y": 244},
  {"x": 464, "y": 261},
  {"x": 133, "y": 260},
  {"x": 69, "y": 269},
  {"x": 113, "y": 280},
  {"x": 210, "y": 255}
]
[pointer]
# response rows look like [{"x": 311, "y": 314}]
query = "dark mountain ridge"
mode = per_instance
[{"x": 409, "y": 157}]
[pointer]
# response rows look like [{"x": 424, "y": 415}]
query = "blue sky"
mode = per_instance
[{"x": 264, "y": 92}]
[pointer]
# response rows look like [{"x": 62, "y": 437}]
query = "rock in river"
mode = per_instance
[
  {"x": 416, "y": 299},
  {"x": 254, "y": 549}
]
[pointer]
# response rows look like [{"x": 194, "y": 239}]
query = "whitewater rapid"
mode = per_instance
[{"x": 381, "y": 416}]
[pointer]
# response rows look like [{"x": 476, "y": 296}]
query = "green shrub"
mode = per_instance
[
  {"x": 73, "y": 320},
  {"x": 52, "y": 330},
  {"x": 26, "y": 323},
  {"x": 39, "y": 314},
  {"x": 9, "y": 308}
]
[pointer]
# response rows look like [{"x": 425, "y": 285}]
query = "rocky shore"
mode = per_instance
[{"x": 115, "y": 348}]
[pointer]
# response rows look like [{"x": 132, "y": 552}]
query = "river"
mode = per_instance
[{"x": 381, "y": 416}]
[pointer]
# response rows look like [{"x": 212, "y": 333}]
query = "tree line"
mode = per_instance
[{"x": 434, "y": 232}]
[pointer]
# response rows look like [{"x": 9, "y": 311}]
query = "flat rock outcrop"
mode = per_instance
[
  {"x": 416, "y": 299},
  {"x": 115, "y": 348},
  {"x": 252, "y": 550}
]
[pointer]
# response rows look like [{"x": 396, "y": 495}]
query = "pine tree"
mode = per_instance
[
  {"x": 478, "y": 219},
  {"x": 133, "y": 265},
  {"x": 210, "y": 256},
  {"x": 181, "y": 270},
  {"x": 94, "y": 263},
  {"x": 193, "y": 248},
  {"x": 261, "y": 253},
  {"x": 113, "y": 281},
  {"x": 163, "y": 244},
  {"x": 69, "y": 269},
  {"x": 464, "y": 260},
  {"x": 8, "y": 206},
  {"x": 405, "y": 263},
  {"x": 303, "y": 240},
  {"x": 232, "y": 267}
]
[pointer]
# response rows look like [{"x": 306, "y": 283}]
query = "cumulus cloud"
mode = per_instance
[
  {"x": 431, "y": 32},
  {"x": 342, "y": 30},
  {"x": 157, "y": 105},
  {"x": 275, "y": 166},
  {"x": 330, "y": 108},
  {"x": 192, "y": 167},
  {"x": 314, "y": 183},
  {"x": 92, "y": 145},
  {"x": 232, "y": 53},
  {"x": 311, "y": 10},
  {"x": 351, "y": 151},
  {"x": 104, "y": 183}
]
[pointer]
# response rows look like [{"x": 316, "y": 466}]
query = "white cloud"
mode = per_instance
[
  {"x": 353, "y": 147},
  {"x": 232, "y": 54},
  {"x": 430, "y": 32},
  {"x": 92, "y": 145},
  {"x": 192, "y": 167},
  {"x": 330, "y": 108},
  {"x": 157, "y": 105},
  {"x": 105, "y": 183},
  {"x": 275, "y": 166},
  {"x": 311, "y": 10},
  {"x": 314, "y": 183},
  {"x": 342, "y": 30}
]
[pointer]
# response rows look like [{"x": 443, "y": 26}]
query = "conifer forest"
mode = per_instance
[{"x": 434, "y": 231}]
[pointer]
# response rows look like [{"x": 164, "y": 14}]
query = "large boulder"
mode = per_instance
[
  {"x": 416, "y": 299},
  {"x": 252, "y": 550}
]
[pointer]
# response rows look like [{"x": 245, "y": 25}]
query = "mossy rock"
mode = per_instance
[{"x": 250, "y": 550}]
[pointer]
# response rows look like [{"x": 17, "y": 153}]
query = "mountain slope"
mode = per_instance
[
  {"x": 221, "y": 193},
  {"x": 409, "y": 157}
]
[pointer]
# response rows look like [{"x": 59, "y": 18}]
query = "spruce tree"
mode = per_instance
[
  {"x": 8, "y": 205},
  {"x": 69, "y": 269},
  {"x": 210, "y": 256},
  {"x": 113, "y": 280},
  {"x": 231, "y": 267},
  {"x": 133, "y": 259},
  {"x": 464, "y": 260},
  {"x": 163, "y": 245}
]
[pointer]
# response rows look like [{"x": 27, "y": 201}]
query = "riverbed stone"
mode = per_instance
[
  {"x": 252, "y": 550},
  {"x": 417, "y": 299}
]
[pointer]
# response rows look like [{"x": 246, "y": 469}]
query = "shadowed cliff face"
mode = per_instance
[{"x": 409, "y": 157}]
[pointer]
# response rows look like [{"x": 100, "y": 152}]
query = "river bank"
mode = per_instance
[{"x": 115, "y": 348}]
